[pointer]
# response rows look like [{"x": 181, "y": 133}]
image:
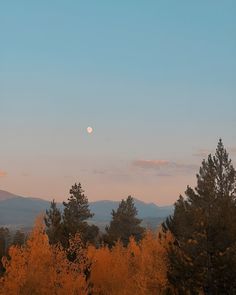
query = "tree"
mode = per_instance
[
  {"x": 19, "y": 238},
  {"x": 75, "y": 216},
  {"x": 91, "y": 235},
  {"x": 41, "y": 268},
  {"x": 124, "y": 223},
  {"x": 203, "y": 255},
  {"x": 140, "y": 268},
  {"x": 53, "y": 222},
  {"x": 4, "y": 244}
]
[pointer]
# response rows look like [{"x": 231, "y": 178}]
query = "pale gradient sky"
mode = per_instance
[{"x": 155, "y": 79}]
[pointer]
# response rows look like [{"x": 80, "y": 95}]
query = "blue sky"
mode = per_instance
[{"x": 155, "y": 79}]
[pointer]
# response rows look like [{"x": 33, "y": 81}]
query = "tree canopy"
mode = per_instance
[
  {"x": 203, "y": 256},
  {"x": 53, "y": 222},
  {"x": 124, "y": 223},
  {"x": 61, "y": 226}
]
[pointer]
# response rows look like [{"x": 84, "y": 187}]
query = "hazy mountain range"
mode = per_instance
[{"x": 20, "y": 212}]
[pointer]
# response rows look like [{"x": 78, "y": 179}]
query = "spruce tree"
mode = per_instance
[
  {"x": 19, "y": 238},
  {"x": 124, "y": 224},
  {"x": 203, "y": 256},
  {"x": 75, "y": 216},
  {"x": 54, "y": 226},
  {"x": 4, "y": 245}
]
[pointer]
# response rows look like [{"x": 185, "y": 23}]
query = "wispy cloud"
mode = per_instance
[
  {"x": 156, "y": 164},
  {"x": 99, "y": 171},
  {"x": 202, "y": 153},
  {"x": 3, "y": 173},
  {"x": 163, "y": 165},
  {"x": 25, "y": 174}
]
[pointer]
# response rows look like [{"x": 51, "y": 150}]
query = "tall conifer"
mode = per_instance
[
  {"x": 124, "y": 223},
  {"x": 203, "y": 256}
]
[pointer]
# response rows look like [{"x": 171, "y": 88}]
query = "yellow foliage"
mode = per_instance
[
  {"x": 138, "y": 269},
  {"x": 41, "y": 269}
]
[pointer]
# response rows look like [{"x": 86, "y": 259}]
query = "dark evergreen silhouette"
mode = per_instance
[
  {"x": 54, "y": 226},
  {"x": 75, "y": 216},
  {"x": 4, "y": 245},
  {"x": 203, "y": 256},
  {"x": 124, "y": 224},
  {"x": 19, "y": 238},
  {"x": 62, "y": 226}
]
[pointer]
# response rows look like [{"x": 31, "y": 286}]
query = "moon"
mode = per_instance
[{"x": 89, "y": 130}]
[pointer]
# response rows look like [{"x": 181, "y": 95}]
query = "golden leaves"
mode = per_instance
[{"x": 41, "y": 268}]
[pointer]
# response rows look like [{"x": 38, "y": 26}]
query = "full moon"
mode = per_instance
[{"x": 90, "y": 130}]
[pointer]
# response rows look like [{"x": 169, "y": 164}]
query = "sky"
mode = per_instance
[{"x": 155, "y": 79}]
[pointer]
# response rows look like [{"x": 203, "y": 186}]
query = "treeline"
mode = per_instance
[
  {"x": 193, "y": 252},
  {"x": 43, "y": 268},
  {"x": 8, "y": 239},
  {"x": 60, "y": 226}
]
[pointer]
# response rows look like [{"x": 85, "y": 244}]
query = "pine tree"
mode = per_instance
[
  {"x": 19, "y": 238},
  {"x": 53, "y": 222},
  {"x": 4, "y": 245},
  {"x": 203, "y": 256},
  {"x": 75, "y": 216},
  {"x": 124, "y": 224}
]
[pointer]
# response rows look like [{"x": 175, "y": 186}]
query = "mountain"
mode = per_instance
[
  {"x": 102, "y": 209},
  {"x": 151, "y": 214},
  {"x": 18, "y": 211},
  {"x": 6, "y": 195}
]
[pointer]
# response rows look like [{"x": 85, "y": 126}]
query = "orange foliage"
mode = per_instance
[
  {"x": 110, "y": 270},
  {"x": 39, "y": 268},
  {"x": 138, "y": 269}
]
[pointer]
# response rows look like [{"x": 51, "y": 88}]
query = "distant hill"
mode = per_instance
[
  {"x": 151, "y": 214},
  {"x": 18, "y": 211},
  {"x": 104, "y": 208},
  {"x": 6, "y": 195}
]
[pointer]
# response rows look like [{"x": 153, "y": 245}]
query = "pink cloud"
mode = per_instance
[
  {"x": 151, "y": 163},
  {"x": 3, "y": 173},
  {"x": 164, "y": 165},
  {"x": 202, "y": 153},
  {"x": 205, "y": 152}
]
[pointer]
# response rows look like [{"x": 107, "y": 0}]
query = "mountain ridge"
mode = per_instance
[{"x": 19, "y": 211}]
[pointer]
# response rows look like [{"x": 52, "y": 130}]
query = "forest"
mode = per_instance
[{"x": 192, "y": 252}]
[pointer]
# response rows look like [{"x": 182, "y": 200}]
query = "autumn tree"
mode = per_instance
[
  {"x": 203, "y": 255},
  {"x": 40, "y": 268},
  {"x": 152, "y": 262},
  {"x": 139, "y": 268},
  {"x": 75, "y": 216},
  {"x": 124, "y": 223}
]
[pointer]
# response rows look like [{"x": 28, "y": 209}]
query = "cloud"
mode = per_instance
[
  {"x": 163, "y": 174},
  {"x": 25, "y": 174},
  {"x": 68, "y": 176},
  {"x": 188, "y": 167},
  {"x": 164, "y": 165},
  {"x": 156, "y": 164},
  {"x": 203, "y": 153},
  {"x": 98, "y": 171},
  {"x": 3, "y": 173}
]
